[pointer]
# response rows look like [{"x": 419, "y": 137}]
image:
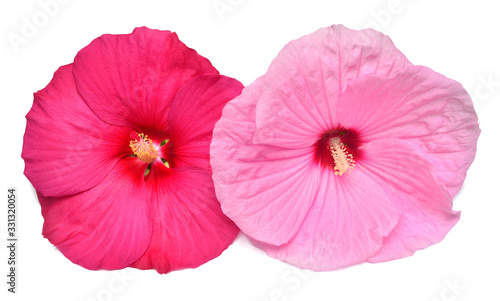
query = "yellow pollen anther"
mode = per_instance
[
  {"x": 143, "y": 147},
  {"x": 344, "y": 161}
]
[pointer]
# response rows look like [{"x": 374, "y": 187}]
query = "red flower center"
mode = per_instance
[
  {"x": 148, "y": 150},
  {"x": 338, "y": 150},
  {"x": 143, "y": 147}
]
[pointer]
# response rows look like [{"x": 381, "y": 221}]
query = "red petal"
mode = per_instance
[
  {"x": 189, "y": 227},
  {"x": 132, "y": 79},
  {"x": 67, "y": 148},
  {"x": 195, "y": 110},
  {"x": 106, "y": 227}
]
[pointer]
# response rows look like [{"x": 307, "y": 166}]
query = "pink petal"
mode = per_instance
[
  {"x": 106, "y": 227},
  {"x": 266, "y": 190},
  {"x": 131, "y": 80},
  {"x": 346, "y": 225},
  {"x": 195, "y": 110},
  {"x": 67, "y": 149},
  {"x": 408, "y": 178},
  {"x": 304, "y": 82},
  {"x": 189, "y": 226},
  {"x": 421, "y": 106}
]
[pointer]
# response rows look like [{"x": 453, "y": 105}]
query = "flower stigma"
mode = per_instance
[
  {"x": 143, "y": 147},
  {"x": 344, "y": 162}
]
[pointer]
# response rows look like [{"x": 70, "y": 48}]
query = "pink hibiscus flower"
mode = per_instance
[
  {"x": 344, "y": 152},
  {"x": 117, "y": 148}
]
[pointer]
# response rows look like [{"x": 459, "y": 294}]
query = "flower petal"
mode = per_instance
[
  {"x": 346, "y": 225},
  {"x": 67, "y": 149},
  {"x": 421, "y": 106},
  {"x": 131, "y": 80},
  {"x": 106, "y": 227},
  {"x": 195, "y": 110},
  {"x": 189, "y": 227},
  {"x": 304, "y": 82},
  {"x": 266, "y": 190},
  {"x": 407, "y": 175}
]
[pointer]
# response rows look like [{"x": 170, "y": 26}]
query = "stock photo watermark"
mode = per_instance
[
  {"x": 115, "y": 286},
  {"x": 31, "y": 25},
  {"x": 222, "y": 7},
  {"x": 382, "y": 18},
  {"x": 290, "y": 282},
  {"x": 12, "y": 244},
  {"x": 452, "y": 290},
  {"x": 486, "y": 87}
]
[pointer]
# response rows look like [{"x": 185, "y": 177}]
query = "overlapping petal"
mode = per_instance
[
  {"x": 305, "y": 81},
  {"x": 106, "y": 227},
  {"x": 407, "y": 175},
  {"x": 195, "y": 110},
  {"x": 347, "y": 223},
  {"x": 421, "y": 106},
  {"x": 66, "y": 142},
  {"x": 261, "y": 187},
  {"x": 189, "y": 227},
  {"x": 131, "y": 80}
]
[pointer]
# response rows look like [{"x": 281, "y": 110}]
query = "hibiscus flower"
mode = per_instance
[
  {"x": 117, "y": 148},
  {"x": 344, "y": 152}
]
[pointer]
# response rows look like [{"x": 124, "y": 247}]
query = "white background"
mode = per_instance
[{"x": 459, "y": 39}]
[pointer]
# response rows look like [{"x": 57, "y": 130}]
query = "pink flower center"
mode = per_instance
[
  {"x": 143, "y": 147},
  {"x": 338, "y": 150},
  {"x": 343, "y": 160}
]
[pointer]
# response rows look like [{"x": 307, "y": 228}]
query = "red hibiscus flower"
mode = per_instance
[{"x": 117, "y": 148}]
